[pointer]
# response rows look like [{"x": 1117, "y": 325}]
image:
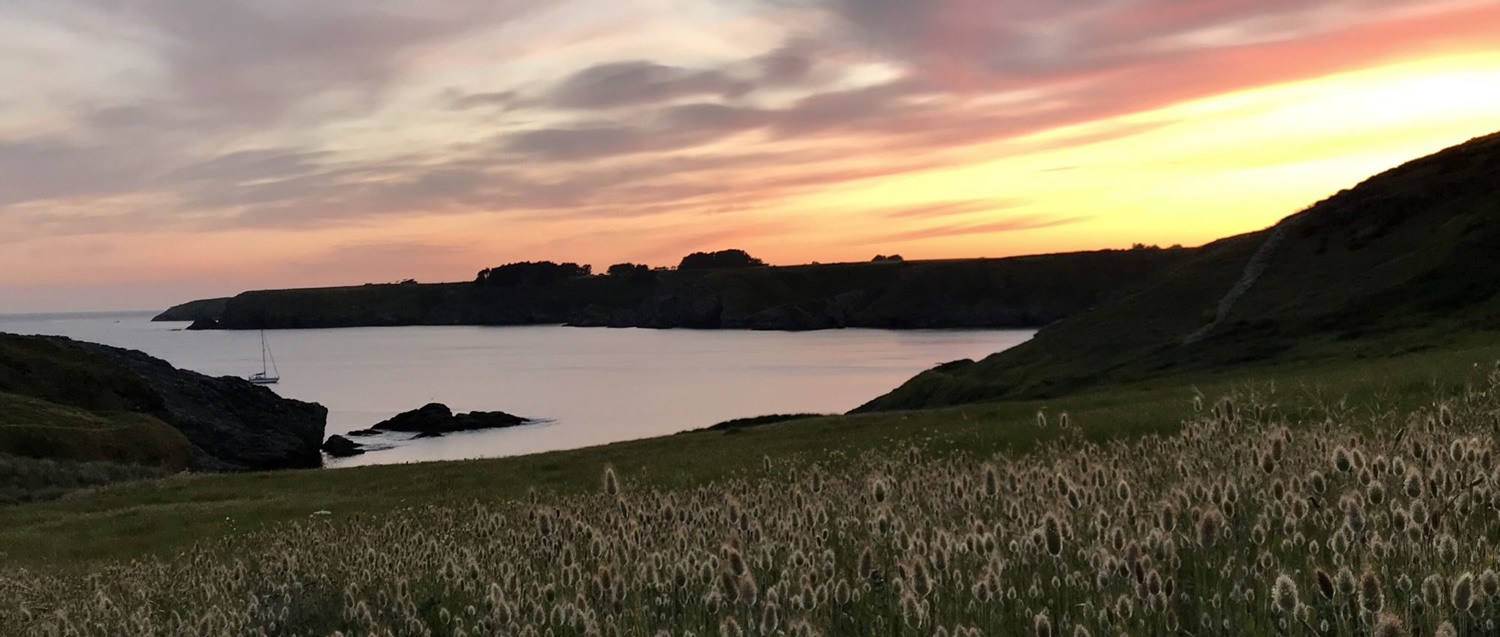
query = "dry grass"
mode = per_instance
[{"x": 1242, "y": 523}]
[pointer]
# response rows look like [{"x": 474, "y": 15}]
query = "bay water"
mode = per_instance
[{"x": 587, "y": 386}]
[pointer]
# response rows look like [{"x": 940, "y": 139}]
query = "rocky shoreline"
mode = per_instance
[
  {"x": 231, "y": 424},
  {"x": 429, "y": 421}
]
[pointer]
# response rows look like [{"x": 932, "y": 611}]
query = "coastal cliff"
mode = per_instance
[
  {"x": 1020, "y": 292},
  {"x": 209, "y": 309},
  {"x": 73, "y": 401}
]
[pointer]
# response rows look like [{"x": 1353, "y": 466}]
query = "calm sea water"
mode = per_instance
[{"x": 591, "y": 385}]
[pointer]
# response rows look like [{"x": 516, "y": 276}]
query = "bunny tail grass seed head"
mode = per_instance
[
  {"x": 1284, "y": 594},
  {"x": 611, "y": 483},
  {"x": 1371, "y": 595},
  {"x": 1388, "y": 625},
  {"x": 1042, "y": 625}
]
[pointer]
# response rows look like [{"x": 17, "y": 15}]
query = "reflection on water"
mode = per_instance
[{"x": 593, "y": 385}]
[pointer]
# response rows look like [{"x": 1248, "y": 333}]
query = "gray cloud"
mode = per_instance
[
  {"x": 616, "y": 84},
  {"x": 496, "y": 99},
  {"x": 251, "y": 165},
  {"x": 1026, "y": 39},
  {"x": 795, "y": 62},
  {"x": 632, "y": 138},
  {"x": 674, "y": 128},
  {"x": 53, "y": 167},
  {"x": 251, "y": 62}
]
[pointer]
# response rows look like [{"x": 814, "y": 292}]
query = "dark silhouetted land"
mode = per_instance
[{"x": 1022, "y": 292}]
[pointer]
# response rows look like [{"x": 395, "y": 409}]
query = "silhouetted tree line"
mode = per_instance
[
  {"x": 720, "y": 259},
  {"x": 531, "y": 273},
  {"x": 882, "y": 257},
  {"x": 634, "y": 272}
]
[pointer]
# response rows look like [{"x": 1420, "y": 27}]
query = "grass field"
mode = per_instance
[
  {"x": 159, "y": 518},
  {"x": 31, "y": 427},
  {"x": 986, "y": 519}
]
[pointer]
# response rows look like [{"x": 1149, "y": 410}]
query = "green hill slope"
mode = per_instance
[
  {"x": 35, "y": 428},
  {"x": 1404, "y": 261},
  {"x": 64, "y": 404},
  {"x": 69, "y": 401}
]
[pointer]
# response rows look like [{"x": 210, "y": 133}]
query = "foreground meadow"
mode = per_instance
[{"x": 1244, "y": 522}]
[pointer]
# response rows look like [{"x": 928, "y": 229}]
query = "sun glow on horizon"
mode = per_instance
[{"x": 1201, "y": 170}]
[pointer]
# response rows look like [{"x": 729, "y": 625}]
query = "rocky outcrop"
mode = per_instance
[
  {"x": 341, "y": 447},
  {"x": 204, "y": 323},
  {"x": 436, "y": 419},
  {"x": 234, "y": 426},
  {"x": 429, "y": 417},
  {"x": 203, "y": 310}
]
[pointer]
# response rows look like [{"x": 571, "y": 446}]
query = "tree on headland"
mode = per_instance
[
  {"x": 879, "y": 258},
  {"x": 627, "y": 269},
  {"x": 531, "y": 273},
  {"x": 720, "y": 259},
  {"x": 634, "y": 272}
]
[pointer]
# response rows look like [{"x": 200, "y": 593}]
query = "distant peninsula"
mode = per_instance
[{"x": 719, "y": 290}]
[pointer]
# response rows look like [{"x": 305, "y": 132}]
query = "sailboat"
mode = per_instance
[{"x": 267, "y": 375}]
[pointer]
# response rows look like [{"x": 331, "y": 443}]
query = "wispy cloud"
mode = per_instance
[
  {"x": 1012, "y": 224},
  {"x": 222, "y": 116},
  {"x": 954, "y": 208}
]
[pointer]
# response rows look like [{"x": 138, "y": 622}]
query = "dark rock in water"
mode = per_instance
[
  {"x": 429, "y": 417},
  {"x": 435, "y": 419},
  {"x": 484, "y": 420},
  {"x": 204, "y": 324},
  {"x": 341, "y": 447},
  {"x": 427, "y": 434},
  {"x": 364, "y": 432},
  {"x": 233, "y": 425}
]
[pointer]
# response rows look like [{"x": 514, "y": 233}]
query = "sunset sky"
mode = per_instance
[{"x": 156, "y": 151}]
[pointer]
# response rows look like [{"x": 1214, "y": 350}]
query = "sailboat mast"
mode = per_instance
[{"x": 262, "y": 351}]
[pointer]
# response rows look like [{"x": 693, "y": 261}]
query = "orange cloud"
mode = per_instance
[{"x": 354, "y": 143}]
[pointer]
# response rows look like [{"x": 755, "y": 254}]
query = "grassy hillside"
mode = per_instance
[
  {"x": 74, "y": 402},
  {"x": 1403, "y": 261},
  {"x": 34, "y": 428},
  {"x": 69, "y": 420},
  {"x": 66, "y": 405},
  {"x": 912, "y": 517},
  {"x": 44, "y": 369},
  {"x": 167, "y": 516}
]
